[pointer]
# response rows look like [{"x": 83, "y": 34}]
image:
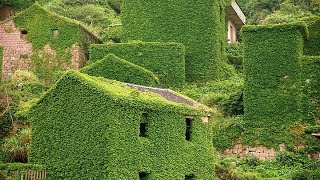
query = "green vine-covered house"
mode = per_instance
[
  {"x": 88, "y": 127},
  {"x": 43, "y": 42}
]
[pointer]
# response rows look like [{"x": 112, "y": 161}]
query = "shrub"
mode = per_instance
[
  {"x": 16, "y": 147},
  {"x": 199, "y": 26},
  {"x": 252, "y": 160},
  {"x": 112, "y": 67},
  {"x": 165, "y": 60},
  {"x": 235, "y": 55}
]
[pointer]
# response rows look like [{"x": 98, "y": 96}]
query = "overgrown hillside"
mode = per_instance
[{"x": 237, "y": 137}]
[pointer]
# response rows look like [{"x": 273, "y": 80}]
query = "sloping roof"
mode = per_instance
[
  {"x": 235, "y": 14},
  {"x": 39, "y": 7},
  {"x": 133, "y": 95},
  {"x": 167, "y": 94}
]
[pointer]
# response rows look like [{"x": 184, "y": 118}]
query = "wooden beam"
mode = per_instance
[{"x": 316, "y": 134}]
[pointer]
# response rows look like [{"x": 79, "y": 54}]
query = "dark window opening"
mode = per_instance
[
  {"x": 55, "y": 32},
  {"x": 188, "y": 128},
  {"x": 24, "y": 32},
  {"x": 189, "y": 177},
  {"x": 143, "y": 125},
  {"x": 143, "y": 130},
  {"x": 143, "y": 176}
]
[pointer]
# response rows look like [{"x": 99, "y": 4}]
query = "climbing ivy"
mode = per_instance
[
  {"x": 199, "y": 26},
  {"x": 88, "y": 128},
  {"x": 112, "y": 67},
  {"x": 165, "y": 60}
]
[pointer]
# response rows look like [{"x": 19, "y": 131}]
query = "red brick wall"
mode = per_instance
[{"x": 16, "y": 51}]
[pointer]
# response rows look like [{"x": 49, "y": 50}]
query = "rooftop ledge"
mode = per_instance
[
  {"x": 235, "y": 14},
  {"x": 301, "y": 26}
]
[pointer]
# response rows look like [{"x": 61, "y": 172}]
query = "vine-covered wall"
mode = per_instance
[
  {"x": 310, "y": 82},
  {"x": 199, "y": 26},
  {"x": 165, "y": 60},
  {"x": 271, "y": 67},
  {"x": 281, "y": 93},
  {"x": 112, "y": 67},
  {"x": 272, "y": 97},
  {"x": 88, "y": 128},
  {"x": 52, "y": 42}
]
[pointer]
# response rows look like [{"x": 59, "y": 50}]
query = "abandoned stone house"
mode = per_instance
[
  {"x": 37, "y": 33},
  {"x": 112, "y": 130}
]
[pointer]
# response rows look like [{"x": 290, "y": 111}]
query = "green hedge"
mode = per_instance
[
  {"x": 17, "y": 5},
  {"x": 165, "y": 60},
  {"x": 112, "y": 67},
  {"x": 199, "y": 26},
  {"x": 312, "y": 45},
  {"x": 310, "y": 81},
  {"x": 88, "y": 128}
]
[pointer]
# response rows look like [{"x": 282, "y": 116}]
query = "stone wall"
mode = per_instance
[
  {"x": 16, "y": 50},
  {"x": 262, "y": 152}
]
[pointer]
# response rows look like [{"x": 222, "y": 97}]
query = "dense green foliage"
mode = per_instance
[
  {"x": 235, "y": 55},
  {"x": 226, "y": 95},
  {"x": 312, "y": 45},
  {"x": 9, "y": 170},
  {"x": 112, "y": 67},
  {"x": 310, "y": 82},
  {"x": 18, "y": 5},
  {"x": 271, "y": 93},
  {"x": 286, "y": 166},
  {"x": 16, "y": 95},
  {"x": 39, "y": 23},
  {"x": 165, "y": 60},
  {"x": 16, "y": 147},
  {"x": 226, "y": 131},
  {"x": 199, "y": 26},
  {"x": 96, "y": 14},
  {"x": 110, "y": 147},
  {"x": 275, "y": 111},
  {"x": 271, "y": 11}
]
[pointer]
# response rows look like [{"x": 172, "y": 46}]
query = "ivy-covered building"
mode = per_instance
[
  {"x": 41, "y": 41},
  {"x": 88, "y": 127}
]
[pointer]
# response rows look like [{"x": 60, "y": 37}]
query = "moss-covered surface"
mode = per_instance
[
  {"x": 199, "y": 26},
  {"x": 165, "y": 60},
  {"x": 87, "y": 127},
  {"x": 112, "y": 67}
]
